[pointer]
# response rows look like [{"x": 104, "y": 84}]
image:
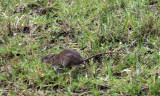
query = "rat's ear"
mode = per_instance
[{"x": 70, "y": 55}]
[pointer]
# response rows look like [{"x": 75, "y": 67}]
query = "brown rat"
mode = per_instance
[{"x": 68, "y": 58}]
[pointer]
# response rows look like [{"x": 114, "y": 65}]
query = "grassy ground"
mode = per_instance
[{"x": 31, "y": 29}]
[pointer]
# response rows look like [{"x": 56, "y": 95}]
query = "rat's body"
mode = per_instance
[{"x": 68, "y": 58}]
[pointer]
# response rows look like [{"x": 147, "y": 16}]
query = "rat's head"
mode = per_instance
[{"x": 48, "y": 58}]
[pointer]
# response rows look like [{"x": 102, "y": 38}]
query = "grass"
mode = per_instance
[{"x": 31, "y": 29}]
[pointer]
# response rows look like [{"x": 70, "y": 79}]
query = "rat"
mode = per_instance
[{"x": 69, "y": 58}]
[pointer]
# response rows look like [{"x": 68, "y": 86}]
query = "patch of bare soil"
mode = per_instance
[{"x": 34, "y": 8}]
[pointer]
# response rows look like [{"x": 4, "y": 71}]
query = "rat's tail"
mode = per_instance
[{"x": 99, "y": 54}]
